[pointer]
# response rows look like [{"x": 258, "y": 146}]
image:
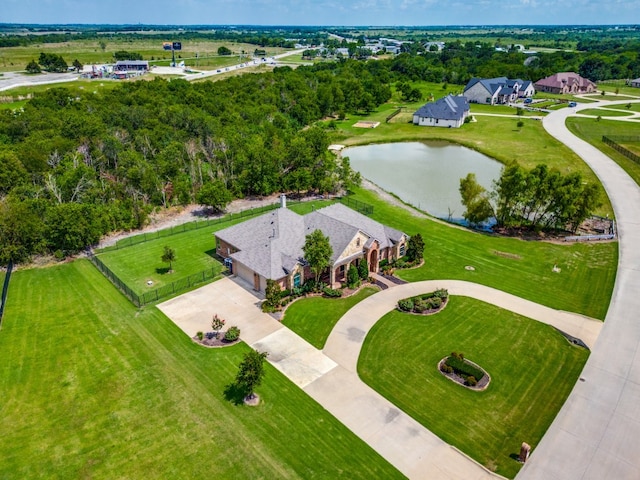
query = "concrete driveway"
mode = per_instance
[{"x": 595, "y": 433}]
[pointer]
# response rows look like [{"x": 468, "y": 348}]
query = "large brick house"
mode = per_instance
[
  {"x": 565, "y": 83},
  {"x": 270, "y": 246}
]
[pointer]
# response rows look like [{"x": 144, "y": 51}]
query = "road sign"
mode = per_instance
[{"x": 177, "y": 45}]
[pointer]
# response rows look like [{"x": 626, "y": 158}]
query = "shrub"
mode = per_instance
[
  {"x": 435, "y": 302},
  {"x": 199, "y": 335},
  {"x": 383, "y": 263},
  {"x": 363, "y": 270},
  {"x": 441, "y": 293},
  {"x": 332, "y": 293},
  {"x": 273, "y": 293},
  {"x": 266, "y": 308},
  {"x": 462, "y": 368},
  {"x": 446, "y": 368},
  {"x": 297, "y": 292},
  {"x": 471, "y": 381},
  {"x": 406, "y": 304},
  {"x": 232, "y": 334},
  {"x": 420, "y": 306},
  {"x": 353, "y": 277}
]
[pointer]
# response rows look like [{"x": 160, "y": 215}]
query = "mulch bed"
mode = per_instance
[
  {"x": 482, "y": 384},
  {"x": 214, "y": 342}
]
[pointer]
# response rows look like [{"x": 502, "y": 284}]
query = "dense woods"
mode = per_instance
[{"x": 75, "y": 167}]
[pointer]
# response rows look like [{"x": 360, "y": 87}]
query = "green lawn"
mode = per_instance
[
  {"x": 634, "y": 107},
  {"x": 532, "y": 368},
  {"x": 523, "y": 268},
  {"x": 95, "y": 388},
  {"x": 592, "y": 131},
  {"x": 195, "y": 252},
  {"x": 502, "y": 110},
  {"x": 604, "y": 112},
  {"x": 314, "y": 318}
]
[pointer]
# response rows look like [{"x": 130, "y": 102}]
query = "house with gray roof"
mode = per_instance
[
  {"x": 449, "y": 111},
  {"x": 270, "y": 246},
  {"x": 499, "y": 90},
  {"x": 635, "y": 83}
]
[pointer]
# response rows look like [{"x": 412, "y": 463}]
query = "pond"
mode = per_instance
[{"x": 425, "y": 175}]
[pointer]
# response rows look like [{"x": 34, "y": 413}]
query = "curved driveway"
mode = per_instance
[{"x": 596, "y": 432}]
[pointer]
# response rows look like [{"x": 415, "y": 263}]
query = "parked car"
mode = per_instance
[
  {"x": 528, "y": 100},
  {"x": 573, "y": 104}
]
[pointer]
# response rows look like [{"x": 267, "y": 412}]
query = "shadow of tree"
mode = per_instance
[
  {"x": 234, "y": 394},
  {"x": 162, "y": 270}
]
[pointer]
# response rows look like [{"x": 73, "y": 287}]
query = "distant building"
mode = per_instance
[
  {"x": 448, "y": 112},
  {"x": 499, "y": 90},
  {"x": 565, "y": 82},
  {"x": 132, "y": 66},
  {"x": 635, "y": 83}
]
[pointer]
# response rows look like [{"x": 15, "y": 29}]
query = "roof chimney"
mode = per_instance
[{"x": 283, "y": 201}]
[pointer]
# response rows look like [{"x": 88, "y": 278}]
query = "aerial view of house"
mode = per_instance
[
  {"x": 565, "y": 82},
  {"x": 449, "y": 111},
  {"x": 500, "y": 90},
  {"x": 270, "y": 246}
]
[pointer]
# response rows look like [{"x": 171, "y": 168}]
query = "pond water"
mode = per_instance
[{"x": 425, "y": 175}]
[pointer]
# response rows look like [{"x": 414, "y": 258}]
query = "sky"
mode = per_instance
[{"x": 323, "y": 12}]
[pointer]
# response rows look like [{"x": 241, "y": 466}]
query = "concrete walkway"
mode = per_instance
[{"x": 596, "y": 432}]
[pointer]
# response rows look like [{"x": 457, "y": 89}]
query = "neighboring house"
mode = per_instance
[
  {"x": 448, "y": 111},
  {"x": 635, "y": 83},
  {"x": 499, "y": 90},
  {"x": 270, "y": 246},
  {"x": 565, "y": 82}
]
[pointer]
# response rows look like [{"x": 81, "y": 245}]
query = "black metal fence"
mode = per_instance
[
  {"x": 614, "y": 142},
  {"x": 139, "y": 300},
  {"x": 5, "y": 289},
  {"x": 357, "y": 205},
  {"x": 185, "y": 227}
]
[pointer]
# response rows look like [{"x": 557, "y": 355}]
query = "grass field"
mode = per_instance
[
  {"x": 592, "y": 131},
  {"x": 89, "y": 52},
  {"x": 532, "y": 369},
  {"x": 314, "y": 318},
  {"x": 195, "y": 251},
  {"x": 633, "y": 107},
  {"x": 604, "y": 112},
  {"x": 523, "y": 268},
  {"x": 502, "y": 110},
  {"x": 95, "y": 388}
]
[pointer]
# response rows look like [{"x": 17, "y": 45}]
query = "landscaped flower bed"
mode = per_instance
[
  {"x": 425, "y": 303},
  {"x": 463, "y": 371}
]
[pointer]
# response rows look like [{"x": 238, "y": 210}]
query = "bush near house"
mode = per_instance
[{"x": 424, "y": 303}]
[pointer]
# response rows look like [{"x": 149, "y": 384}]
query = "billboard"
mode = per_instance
[
  {"x": 177, "y": 45},
  {"x": 167, "y": 45}
]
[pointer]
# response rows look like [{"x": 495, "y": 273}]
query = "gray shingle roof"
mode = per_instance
[
  {"x": 271, "y": 244},
  {"x": 447, "y": 108}
]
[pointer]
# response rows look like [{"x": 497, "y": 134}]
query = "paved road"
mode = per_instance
[
  {"x": 596, "y": 432},
  {"x": 11, "y": 80}
]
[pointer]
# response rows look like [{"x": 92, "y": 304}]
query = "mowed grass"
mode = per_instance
[
  {"x": 314, "y": 318},
  {"x": 95, "y": 388},
  {"x": 523, "y": 268},
  {"x": 592, "y": 131},
  {"x": 604, "y": 112},
  {"x": 532, "y": 369},
  {"x": 194, "y": 249}
]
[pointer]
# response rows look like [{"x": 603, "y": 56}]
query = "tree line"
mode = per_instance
[{"x": 541, "y": 198}]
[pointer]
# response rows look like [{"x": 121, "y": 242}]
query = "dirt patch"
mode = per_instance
[
  {"x": 366, "y": 124},
  {"x": 512, "y": 256}
]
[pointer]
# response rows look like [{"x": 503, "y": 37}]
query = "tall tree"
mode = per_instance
[
  {"x": 475, "y": 199},
  {"x": 317, "y": 252}
]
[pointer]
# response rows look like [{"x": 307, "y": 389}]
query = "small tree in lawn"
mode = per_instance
[
  {"x": 217, "y": 323},
  {"x": 317, "y": 252},
  {"x": 250, "y": 372},
  {"x": 33, "y": 67},
  {"x": 415, "y": 248},
  {"x": 169, "y": 256}
]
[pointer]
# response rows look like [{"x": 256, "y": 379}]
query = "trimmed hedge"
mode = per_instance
[
  {"x": 464, "y": 369},
  {"x": 424, "y": 302}
]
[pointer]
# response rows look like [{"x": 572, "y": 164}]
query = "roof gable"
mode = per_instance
[{"x": 446, "y": 108}]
